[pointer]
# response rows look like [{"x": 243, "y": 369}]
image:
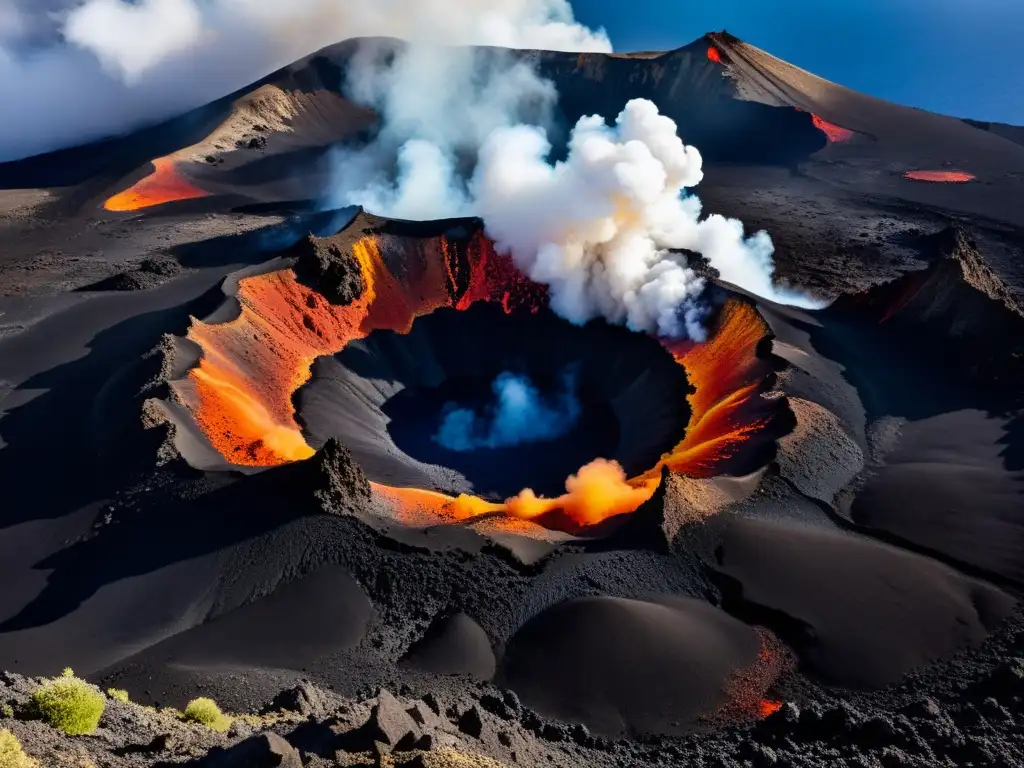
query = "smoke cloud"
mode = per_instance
[
  {"x": 465, "y": 133},
  {"x": 601, "y": 229},
  {"x": 595, "y": 228},
  {"x": 520, "y": 414},
  {"x": 437, "y": 107},
  {"x": 76, "y": 70},
  {"x": 462, "y": 132}
]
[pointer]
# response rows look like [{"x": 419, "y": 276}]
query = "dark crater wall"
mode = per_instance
[{"x": 384, "y": 398}]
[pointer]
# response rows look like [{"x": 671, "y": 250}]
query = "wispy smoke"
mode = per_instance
[
  {"x": 520, "y": 414},
  {"x": 76, "y": 70},
  {"x": 437, "y": 107}
]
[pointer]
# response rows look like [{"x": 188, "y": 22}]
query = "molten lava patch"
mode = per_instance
[
  {"x": 747, "y": 686},
  {"x": 947, "y": 177},
  {"x": 714, "y": 55},
  {"x": 163, "y": 185},
  {"x": 835, "y": 133},
  {"x": 240, "y": 393}
]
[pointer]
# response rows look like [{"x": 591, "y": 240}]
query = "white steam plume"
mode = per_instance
[
  {"x": 520, "y": 414},
  {"x": 437, "y": 107},
  {"x": 599, "y": 228},
  {"x": 76, "y": 70},
  {"x": 595, "y": 227}
]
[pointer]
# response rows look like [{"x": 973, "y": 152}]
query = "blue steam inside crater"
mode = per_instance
[{"x": 519, "y": 414}]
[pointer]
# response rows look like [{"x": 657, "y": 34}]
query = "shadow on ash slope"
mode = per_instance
[{"x": 830, "y": 488}]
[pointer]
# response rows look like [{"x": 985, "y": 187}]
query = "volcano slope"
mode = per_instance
[{"x": 221, "y": 474}]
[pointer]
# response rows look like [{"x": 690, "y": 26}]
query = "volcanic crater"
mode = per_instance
[
  {"x": 812, "y": 506},
  {"x": 428, "y": 314}
]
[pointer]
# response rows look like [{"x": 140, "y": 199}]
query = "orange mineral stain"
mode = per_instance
[
  {"x": 240, "y": 393},
  {"x": 163, "y": 185},
  {"x": 725, "y": 409},
  {"x": 947, "y": 177}
]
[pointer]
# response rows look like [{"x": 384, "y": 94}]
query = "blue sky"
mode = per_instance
[{"x": 960, "y": 57}]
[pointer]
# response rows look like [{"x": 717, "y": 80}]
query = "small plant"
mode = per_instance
[
  {"x": 6, "y": 710},
  {"x": 69, "y": 704},
  {"x": 11, "y": 753},
  {"x": 117, "y": 694},
  {"x": 206, "y": 712}
]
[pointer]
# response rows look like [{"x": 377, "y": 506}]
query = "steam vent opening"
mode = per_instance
[{"x": 487, "y": 402}]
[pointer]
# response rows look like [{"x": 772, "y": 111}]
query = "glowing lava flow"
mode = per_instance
[
  {"x": 725, "y": 410},
  {"x": 163, "y": 185},
  {"x": 714, "y": 55},
  {"x": 240, "y": 393},
  {"x": 596, "y": 493},
  {"x": 748, "y": 686},
  {"x": 949, "y": 177},
  {"x": 834, "y": 133}
]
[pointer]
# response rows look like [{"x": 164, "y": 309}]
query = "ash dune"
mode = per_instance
[
  {"x": 665, "y": 662},
  {"x": 871, "y": 613},
  {"x": 241, "y": 396}
]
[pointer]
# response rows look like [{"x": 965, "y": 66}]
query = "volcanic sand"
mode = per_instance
[
  {"x": 863, "y": 613},
  {"x": 623, "y": 665}
]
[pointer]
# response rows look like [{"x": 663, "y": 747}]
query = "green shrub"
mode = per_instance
[
  {"x": 118, "y": 694},
  {"x": 206, "y": 712},
  {"x": 6, "y": 710},
  {"x": 11, "y": 753},
  {"x": 69, "y": 704}
]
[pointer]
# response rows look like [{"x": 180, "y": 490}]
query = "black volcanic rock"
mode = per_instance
[
  {"x": 148, "y": 274},
  {"x": 338, "y": 481},
  {"x": 471, "y": 723},
  {"x": 324, "y": 265},
  {"x": 265, "y": 750},
  {"x": 303, "y": 699},
  {"x": 454, "y": 645},
  {"x": 391, "y": 724}
]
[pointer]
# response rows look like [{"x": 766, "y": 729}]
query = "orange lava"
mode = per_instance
[
  {"x": 748, "y": 687},
  {"x": 725, "y": 412},
  {"x": 163, "y": 185},
  {"x": 714, "y": 55},
  {"x": 948, "y": 177},
  {"x": 597, "y": 492},
  {"x": 834, "y": 132},
  {"x": 240, "y": 393},
  {"x": 725, "y": 409}
]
